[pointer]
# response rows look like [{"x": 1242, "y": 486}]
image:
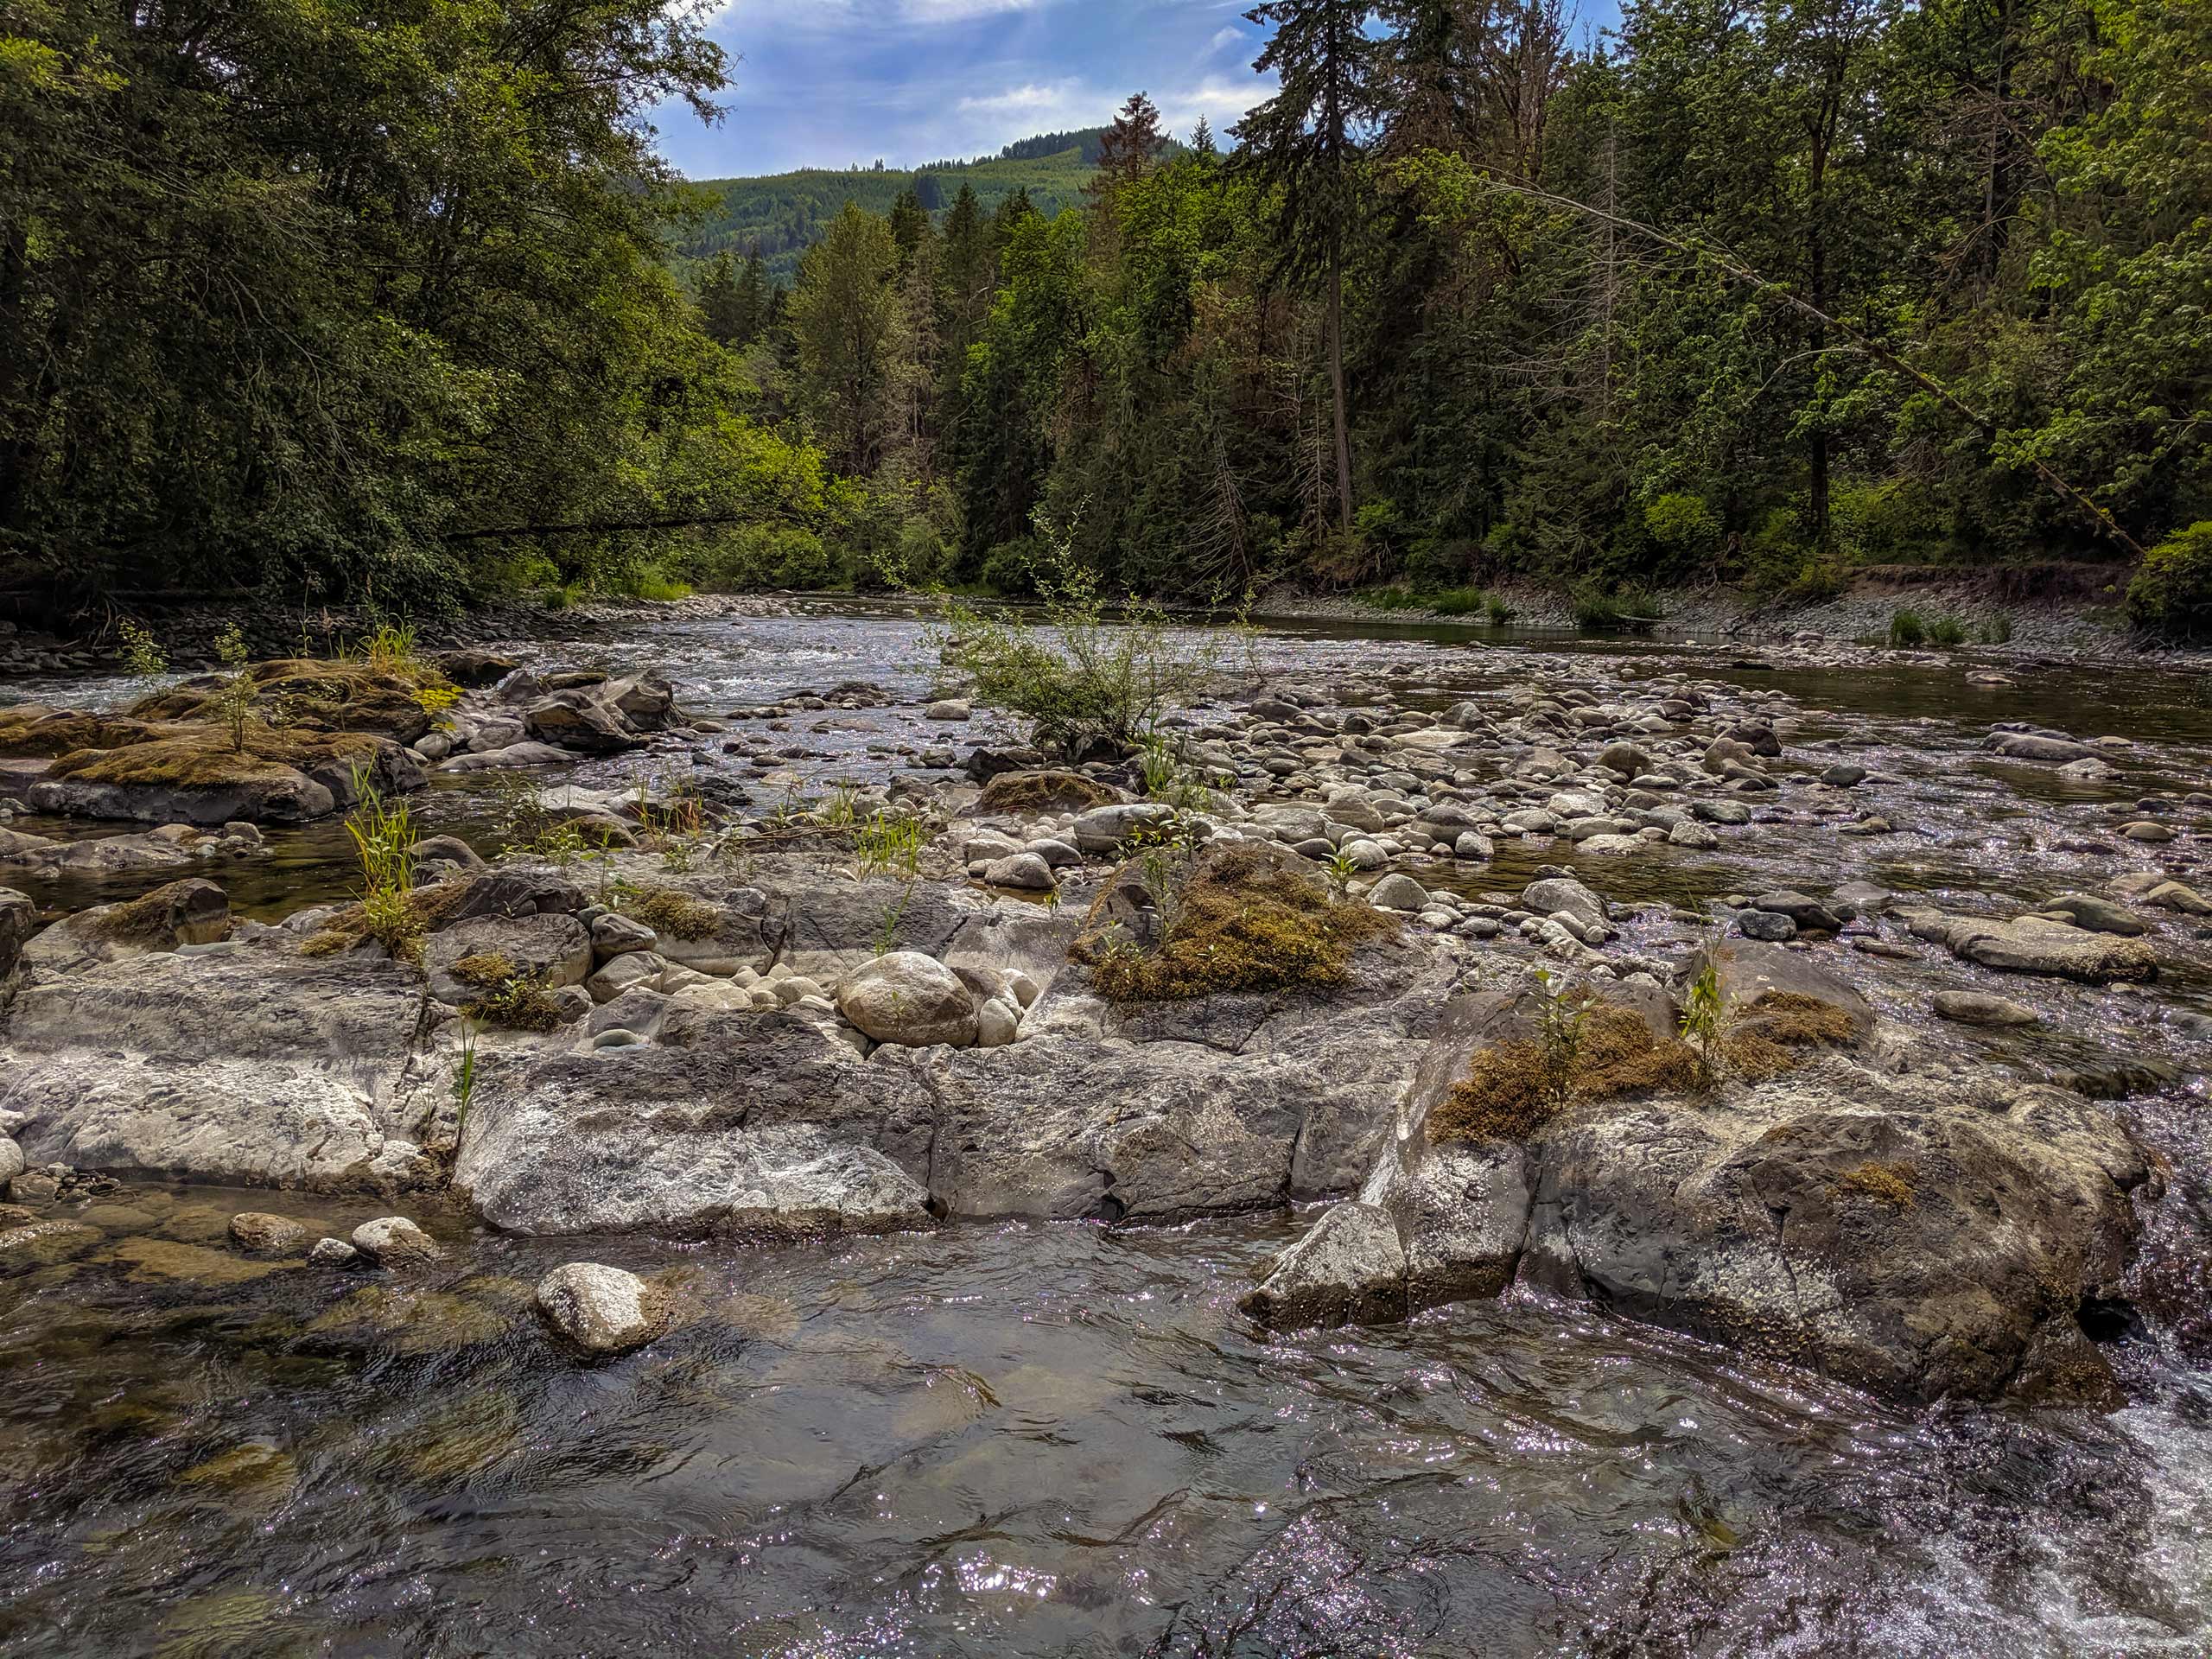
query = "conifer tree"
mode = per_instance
[{"x": 1302, "y": 145}]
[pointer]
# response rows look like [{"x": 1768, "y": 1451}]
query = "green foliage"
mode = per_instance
[
  {"x": 234, "y": 702},
  {"x": 889, "y": 842},
  {"x": 1907, "y": 631},
  {"x": 288, "y": 301},
  {"x": 1701, "y": 1020},
  {"x": 383, "y": 837},
  {"x": 1077, "y": 674},
  {"x": 1683, "y": 527},
  {"x": 2172, "y": 594},
  {"x": 141, "y": 654},
  {"x": 1947, "y": 630}
]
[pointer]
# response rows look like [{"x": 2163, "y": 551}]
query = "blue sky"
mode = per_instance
[{"x": 826, "y": 83}]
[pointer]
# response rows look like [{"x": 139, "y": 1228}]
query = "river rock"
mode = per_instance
[
  {"x": 2096, "y": 915},
  {"x": 1104, "y": 829},
  {"x": 750, "y": 1124},
  {"x": 600, "y": 1311},
  {"x": 396, "y": 1242},
  {"x": 192, "y": 911},
  {"x": 553, "y": 949},
  {"x": 1399, "y": 893},
  {"x": 1563, "y": 895},
  {"x": 1023, "y": 871},
  {"x": 18, "y": 921},
  {"x": 2037, "y": 745},
  {"x": 2033, "y": 944},
  {"x": 330, "y": 1254},
  {"x": 1349, "y": 1268},
  {"x": 1979, "y": 1009},
  {"x": 910, "y": 999},
  {"x": 1769, "y": 927},
  {"x": 583, "y": 718},
  {"x": 260, "y": 1234}
]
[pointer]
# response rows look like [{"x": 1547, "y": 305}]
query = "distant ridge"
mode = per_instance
[{"x": 780, "y": 215}]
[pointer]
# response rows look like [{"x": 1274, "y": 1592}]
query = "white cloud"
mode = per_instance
[{"x": 1225, "y": 38}]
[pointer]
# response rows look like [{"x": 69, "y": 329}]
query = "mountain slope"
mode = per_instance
[{"x": 781, "y": 215}]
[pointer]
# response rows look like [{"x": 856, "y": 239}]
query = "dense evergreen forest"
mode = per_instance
[{"x": 389, "y": 301}]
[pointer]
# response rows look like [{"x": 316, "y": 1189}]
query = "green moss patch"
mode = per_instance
[
  {"x": 307, "y": 694},
  {"x": 1040, "y": 791},
  {"x": 677, "y": 915}
]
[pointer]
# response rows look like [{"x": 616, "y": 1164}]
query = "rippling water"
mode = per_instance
[
  {"x": 1061, "y": 1440},
  {"x": 1022, "y": 1440}
]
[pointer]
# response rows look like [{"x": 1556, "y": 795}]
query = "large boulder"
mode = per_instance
[
  {"x": 1349, "y": 1268},
  {"x": 310, "y": 694},
  {"x": 197, "y": 776},
  {"x": 584, "y": 718},
  {"x": 750, "y": 1124},
  {"x": 247, "y": 1065},
  {"x": 909, "y": 999},
  {"x": 1915, "y": 1236},
  {"x": 191, "y": 912}
]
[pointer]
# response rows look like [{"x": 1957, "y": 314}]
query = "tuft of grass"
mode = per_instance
[
  {"x": 1506, "y": 1096},
  {"x": 1774, "y": 1035},
  {"x": 1892, "y": 1183},
  {"x": 505, "y": 996},
  {"x": 1998, "y": 631},
  {"x": 889, "y": 841},
  {"x": 1586, "y": 1050},
  {"x": 1907, "y": 631},
  {"x": 666, "y": 911},
  {"x": 1945, "y": 631},
  {"x": 1231, "y": 921}
]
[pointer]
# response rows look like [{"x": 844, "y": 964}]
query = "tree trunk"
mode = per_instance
[{"x": 1336, "y": 390}]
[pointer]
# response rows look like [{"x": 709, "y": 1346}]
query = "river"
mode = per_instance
[{"x": 1062, "y": 1440}]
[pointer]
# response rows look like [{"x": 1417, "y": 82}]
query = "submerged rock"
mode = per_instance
[
  {"x": 395, "y": 1241},
  {"x": 600, "y": 1311},
  {"x": 259, "y": 1234}
]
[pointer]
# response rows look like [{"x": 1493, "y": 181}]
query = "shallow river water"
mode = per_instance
[{"x": 1049, "y": 1440}]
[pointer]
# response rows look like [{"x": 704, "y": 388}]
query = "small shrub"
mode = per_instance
[
  {"x": 1500, "y": 612},
  {"x": 141, "y": 655},
  {"x": 1700, "y": 1027},
  {"x": 1595, "y": 610},
  {"x": 2171, "y": 594},
  {"x": 1077, "y": 677},
  {"x": 234, "y": 702},
  {"x": 1947, "y": 632},
  {"x": 1907, "y": 631},
  {"x": 391, "y": 649},
  {"x": 1998, "y": 631}
]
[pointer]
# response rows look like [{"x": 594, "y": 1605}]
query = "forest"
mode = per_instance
[{"x": 1753, "y": 290}]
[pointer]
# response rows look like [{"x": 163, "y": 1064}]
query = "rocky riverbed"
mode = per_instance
[{"x": 1853, "y": 1043}]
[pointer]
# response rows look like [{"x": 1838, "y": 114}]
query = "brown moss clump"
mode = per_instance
[
  {"x": 201, "y": 757},
  {"x": 676, "y": 914},
  {"x": 1036, "y": 791},
  {"x": 507, "y": 997},
  {"x": 1515, "y": 1089},
  {"x": 38, "y": 731},
  {"x": 1774, "y": 1035},
  {"x": 1237, "y": 922},
  {"x": 346, "y": 696},
  {"x": 1507, "y": 1095},
  {"x": 1892, "y": 1183}
]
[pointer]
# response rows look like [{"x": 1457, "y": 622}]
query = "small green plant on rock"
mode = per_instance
[
  {"x": 141, "y": 655},
  {"x": 1701, "y": 1021},
  {"x": 235, "y": 701},
  {"x": 464, "y": 1078},
  {"x": 889, "y": 841},
  {"x": 385, "y": 836}
]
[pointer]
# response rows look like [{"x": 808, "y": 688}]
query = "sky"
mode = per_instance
[{"x": 828, "y": 83}]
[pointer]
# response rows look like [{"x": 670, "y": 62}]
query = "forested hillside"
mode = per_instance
[
  {"x": 1755, "y": 292},
  {"x": 780, "y": 217}
]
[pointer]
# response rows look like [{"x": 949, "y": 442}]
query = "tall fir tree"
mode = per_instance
[{"x": 1303, "y": 145}]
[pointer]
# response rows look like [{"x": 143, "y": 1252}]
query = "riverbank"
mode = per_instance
[{"x": 813, "y": 987}]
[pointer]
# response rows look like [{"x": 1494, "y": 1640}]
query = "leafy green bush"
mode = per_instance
[
  {"x": 1011, "y": 569},
  {"x": 1683, "y": 525},
  {"x": 1947, "y": 630},
  {"x": 1895, "y": 521},
  {"x": 1078, "y": 675},
  {"x": 2171, "y": 594},
  {"x": 1907, "y": 630}
]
